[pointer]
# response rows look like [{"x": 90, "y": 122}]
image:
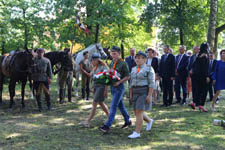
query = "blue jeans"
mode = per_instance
[{"x": 117, "y": 101}]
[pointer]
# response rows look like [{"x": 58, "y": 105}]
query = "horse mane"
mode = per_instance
[{"x": 54, "y": 56}]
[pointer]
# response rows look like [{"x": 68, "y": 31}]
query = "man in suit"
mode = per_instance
[
  {"x": 131, "y": 59},
  {"x": 167, "y": 73},
  {"x": 182, "y": 61},
  {"x": 212, "y": 65},
  {"x": 196, "y": 50}
]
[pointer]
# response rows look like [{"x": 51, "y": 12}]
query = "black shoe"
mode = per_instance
[
  {"x": 126, "y": 125},
  {"x": 177, "y": 102},
  {"x": 104, "y": 129},
  {"x": 163, "y": 105},
  {"x": 183, "y": 103}
]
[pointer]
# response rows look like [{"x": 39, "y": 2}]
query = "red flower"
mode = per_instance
[
  {"x": 104, "y": 73},
  {"x": 110, "y": 76}
]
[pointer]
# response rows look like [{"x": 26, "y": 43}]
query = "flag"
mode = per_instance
[{"x": 83, "y": 27}]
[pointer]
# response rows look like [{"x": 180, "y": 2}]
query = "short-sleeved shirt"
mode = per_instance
[
  {"x": 42, "y": 69},
  {"x": 121, "y": 68},
  {"x": 86, "y": 66},
  {"x": 145, "y": 77},
  {"x": 100, "y": 68}
]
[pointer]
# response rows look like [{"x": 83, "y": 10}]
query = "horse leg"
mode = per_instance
[
  {"x": 31, "y": 88},
  {"x": 12, "y": 85},
  {"x": 22, "y": 93},
  {"x": 1, "y": 87}
]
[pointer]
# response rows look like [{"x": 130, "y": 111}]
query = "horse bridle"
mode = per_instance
[{"x": 99, "y": 50}]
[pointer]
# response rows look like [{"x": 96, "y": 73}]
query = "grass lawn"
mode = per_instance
[{"x": 175, "y": 128}]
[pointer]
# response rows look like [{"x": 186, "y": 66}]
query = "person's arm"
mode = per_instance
[
  {"x": 214, "y": 74},
  {"x": 151, "y": 85},
  {"x": 125, "y": 69},
  {"x": 82, "y": 69},
  {"x": 160, "y": 67},
  {"x": 173, "y": 67},
  {"x": 131, "y": 95},
  {"x": 49, "y": 72}
]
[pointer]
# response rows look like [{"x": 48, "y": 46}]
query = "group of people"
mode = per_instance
[
  {"x": 146, "y": 73},
  {"x": 174, "y": 74}
]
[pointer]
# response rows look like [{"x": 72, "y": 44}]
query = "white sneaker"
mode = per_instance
[
  {"x": 134, "y": 135},
  {"x": 149, "y": 125}
]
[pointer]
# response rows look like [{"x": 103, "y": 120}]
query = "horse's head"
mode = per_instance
[
  {"x": 29, "y": 59},
  {"x": 107, "y": 51},
  {"x": 101, "y": 51}
]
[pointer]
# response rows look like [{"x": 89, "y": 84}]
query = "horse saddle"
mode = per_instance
[{"x": 7, "y": 63}]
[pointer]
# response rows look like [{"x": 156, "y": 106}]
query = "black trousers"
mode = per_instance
[
  {"x": 201, "y": 91},
  {"x": 181, "y": 81},
  {"x": 193, "y": 86},
  {"x": 167, "y": 86}
]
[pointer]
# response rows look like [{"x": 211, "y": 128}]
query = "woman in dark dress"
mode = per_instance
[
  {"x": 219, "y": 78},
  {"x": 200, "y": 69}
]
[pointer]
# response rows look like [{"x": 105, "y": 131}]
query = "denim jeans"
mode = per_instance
[{"x": 117, "y": 101}]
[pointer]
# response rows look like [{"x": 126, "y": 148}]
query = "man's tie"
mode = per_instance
[{"x": 178, "y": 59}]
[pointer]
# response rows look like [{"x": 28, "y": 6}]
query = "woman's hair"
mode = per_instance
[
  {"x": 151, "y": 49},
  {"x": 85, "y": 53},
  {"x": 102, "y": 63},
  {"x": 204, "y": 48},
  {"x": 223, "y": 50}
]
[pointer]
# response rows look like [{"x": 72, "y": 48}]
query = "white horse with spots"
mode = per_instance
[{"x": 94, "y": 48}]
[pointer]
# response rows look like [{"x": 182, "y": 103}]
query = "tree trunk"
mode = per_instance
[
  {"x": 218, "y": 30},
  {"x": 122, "y": 49},
  {"x": 97, "y": 33},
  {"x": 3, "y": 47},
  {"x": 212, "y": 23},
  {"x": 181, "y": 37},
  {"x": 25, "y": 30}
]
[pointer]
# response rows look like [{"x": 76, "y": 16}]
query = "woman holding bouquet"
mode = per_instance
[
  {"x": 100, "y": 90},
  {"x": 141, "y": 91}
]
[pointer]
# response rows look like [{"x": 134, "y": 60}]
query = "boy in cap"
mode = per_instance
[{"x": 117, "y": 90}]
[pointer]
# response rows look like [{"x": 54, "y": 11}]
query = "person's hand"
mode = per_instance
[
  {"x": 157, "y": 77},
  {"x": 207, "y": 79},
  {"x": 148, "y": 99},
  {"x": 191, "y": 72},
  {"x": 116, "y": 84},
  {"x": 88, "y": 74},
  {"x": 177, "y": 73},
  {"x": 172, "y": 78},
  {"x": 49, "y": 81},
  {"x": 130, "y": 99},
  {"x": 105, "y": 93},
  {"x": 214, "y": 82}
]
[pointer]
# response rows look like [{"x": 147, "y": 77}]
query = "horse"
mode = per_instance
[
  {"x": 78, "y": 57},
  {"x": 56, "y": 57},
  {"x": 18, "y": 71}
]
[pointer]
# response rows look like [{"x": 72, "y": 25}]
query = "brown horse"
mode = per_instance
[{"x": 18, "y": 72}]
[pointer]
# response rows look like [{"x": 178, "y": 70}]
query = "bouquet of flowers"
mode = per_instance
[{"x": 107, "y": 77}]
